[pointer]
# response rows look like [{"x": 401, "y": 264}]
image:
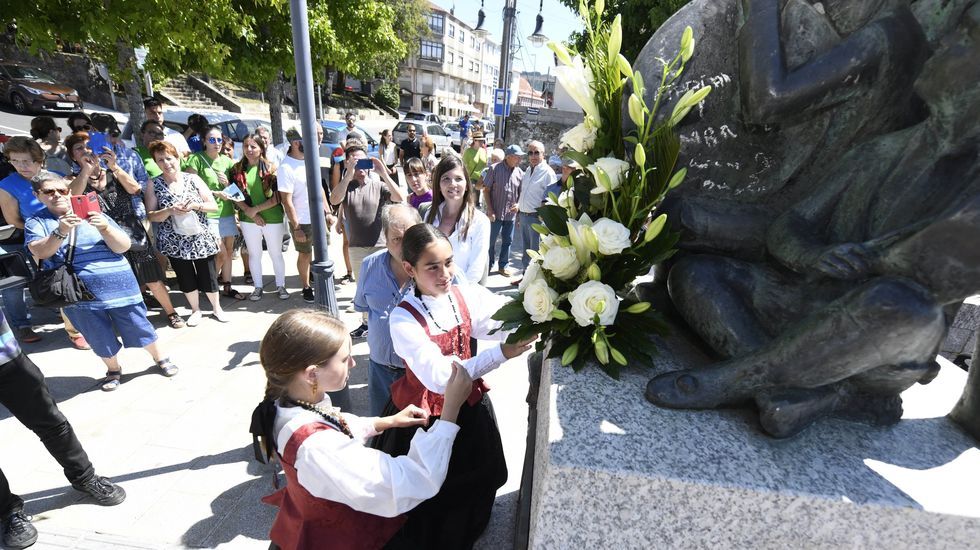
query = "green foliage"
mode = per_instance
[
  {"x": 387, "y": 96},
  {"x": 641, "y": 18}
]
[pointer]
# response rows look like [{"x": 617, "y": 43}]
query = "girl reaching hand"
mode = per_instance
[{"x": 340, "y": 494}]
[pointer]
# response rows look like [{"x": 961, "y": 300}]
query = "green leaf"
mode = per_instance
[
  {"x": 511, "y": 311},
  {"x": 582, "y": 159},
  {"x": 555, "y": 218}
]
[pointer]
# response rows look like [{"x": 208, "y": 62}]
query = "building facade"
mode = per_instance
[{"x": 452, "y": 72}]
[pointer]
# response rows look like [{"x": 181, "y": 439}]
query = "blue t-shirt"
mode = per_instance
[
  {"x": 464, "y": 127},
  {"x": 377, "y": 294},
  {"x": 195, "y": 144},
  {"x": 106, "y": 274},
  {"x": 20, "y": 189}
]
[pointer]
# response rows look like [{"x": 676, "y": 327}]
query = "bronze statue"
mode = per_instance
[{"x": 849, "y": 312}]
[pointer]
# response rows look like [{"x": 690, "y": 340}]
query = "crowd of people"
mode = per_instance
[{"x": 419, "y": 229}]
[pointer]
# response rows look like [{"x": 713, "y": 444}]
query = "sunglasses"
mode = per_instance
[
  {"x": 84, "y": 128},
  {"x": 63, "y": 191},
  {"x": 534, "y": 153},
  {"x": 214, "y": 140}
]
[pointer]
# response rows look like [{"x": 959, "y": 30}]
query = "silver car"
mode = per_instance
[{"x": 440, "y": 135}]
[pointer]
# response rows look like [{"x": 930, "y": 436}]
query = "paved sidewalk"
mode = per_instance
[{"x": 180, "y": 446}]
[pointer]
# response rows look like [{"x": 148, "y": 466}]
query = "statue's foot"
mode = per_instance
[
  {"x": 785, "y": 413},
  {"x": 695, "y": 389}
]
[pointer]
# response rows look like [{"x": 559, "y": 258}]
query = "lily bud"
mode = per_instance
[
  {"x": 600, "y": 6},
  {"x": 638, "y": 87},
  {"x": 655, "y": 227},
  {"x": 640, "y": 155},
  {"x": 540, "y": 229},
  {"x": 635, "y": 105},
  {"x": 594, "y": 272},
  {"x": 615, "y": 37},
  {"x": 602, "y": 351},
  {"x": 624, "y": 66},
  {"x": 677, "y": 178},
  {"x": 569, "y": 355},
  {"x": 638, "y": 307},
  {"x": 560, "y": 315},
  {"x": 687, "y": 44},
  {"x": 561, "y": 51},
  {"x": 591, "y": 239},
  {"x": 686, "y": 103},
  {"x": 617, "y": 356}
]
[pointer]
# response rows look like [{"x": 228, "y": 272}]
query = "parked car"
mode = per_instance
[
  {"x": 231, "y": 124},
  {"x": 438, "y": 133},
  {"x": 31, "y": 90},
  {"x": 454, "y": 139},
  {"x": 332, "y": 147},
  {"x": 424, "y": 116}
]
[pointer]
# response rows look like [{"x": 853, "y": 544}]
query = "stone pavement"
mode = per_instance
[{"x": 180, "y": 446}]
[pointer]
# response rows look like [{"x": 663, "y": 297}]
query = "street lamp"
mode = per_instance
[
  {"x": 538, "y": 39},
  {"x": 479, "y": 31}
]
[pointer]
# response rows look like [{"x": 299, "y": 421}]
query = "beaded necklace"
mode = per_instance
[
  {"x": 456, "y": 343},
  {"x": 332, "y": 418}
]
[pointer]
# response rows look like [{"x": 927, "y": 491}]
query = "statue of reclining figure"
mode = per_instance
[{"x": 851, "y": 314}]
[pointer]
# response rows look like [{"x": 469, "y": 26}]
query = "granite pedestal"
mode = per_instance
[{"x": 614, "y": 471}]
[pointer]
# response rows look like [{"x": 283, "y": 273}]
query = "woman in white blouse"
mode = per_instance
[
  {"x": 453, "y": 211},
  {"x": 433, "y": 331},
  {"x": 340, "y": 494}
]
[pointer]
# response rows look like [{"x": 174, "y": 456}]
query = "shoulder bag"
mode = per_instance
[{"x": 61, "y": 286}]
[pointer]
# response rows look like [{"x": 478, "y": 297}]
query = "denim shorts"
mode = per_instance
[
  {"x": 223, "y": 227},
  {"x": 100, "y": 326}
]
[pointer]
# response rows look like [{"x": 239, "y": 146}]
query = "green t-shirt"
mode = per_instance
[
  {"x": 474, "y": 161},
  {"x": 254, "y": 184},
  {"x": 152, "y": 169},
  {"x": 208, "y": 171}
]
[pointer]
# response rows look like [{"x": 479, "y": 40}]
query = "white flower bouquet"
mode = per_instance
[{"x": 603, "y": 230}]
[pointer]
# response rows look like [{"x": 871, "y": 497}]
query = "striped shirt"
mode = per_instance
[{"x": 504, "y": 184}]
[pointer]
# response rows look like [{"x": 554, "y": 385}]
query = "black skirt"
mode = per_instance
[{"x": 459, "y": 513}]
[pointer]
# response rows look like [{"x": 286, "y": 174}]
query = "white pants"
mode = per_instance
[{"x": 273, "y": 233}]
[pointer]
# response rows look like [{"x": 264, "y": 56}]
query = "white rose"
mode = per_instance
[
  {"x": 531, "y": 274},
  {"x": 577, "y": 81},
  {"x": 613, "y": 236},
  {"x": 561, "y": 261},
  {"x": 539, "y": 301},
  {"x": 592, "y": 298},
  {"x": 581, "y": 137},
  {"x": 614, "y": 168}
]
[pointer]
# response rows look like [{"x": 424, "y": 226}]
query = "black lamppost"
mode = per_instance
[{"x": 537, "y": 38}]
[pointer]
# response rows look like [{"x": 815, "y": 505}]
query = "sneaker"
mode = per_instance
[
  {"x": 283, "y": 293},
  {"x": 79, "y": 342},
  {"x": 105, "y": 492},
  {"x": 221, "y": 316},
  {"x": 360, "y": 332},
  {"x": 256, "y": 295},
  {"x": 26, "y": 335},
  {"x": 308, "y": 295},
  {"x": 194, "y": 319},
  {"x": 18, "y": 531}
]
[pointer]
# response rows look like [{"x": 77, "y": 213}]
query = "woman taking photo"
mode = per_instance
[
  {"x": 98, "y": 243},
  {"x": 418, "y": 181},
  {"x": 261, "y": 213},
  {"x": 340, "y": 494},
  {"x": 178, "y": 201},
  {"x": 116, "y": 189},
  {"x": 453, "y": 211},
  {"x": 48, "y": 136},
  {"x": 431, "y": 330},
  {"x": 213, "y": 167}
]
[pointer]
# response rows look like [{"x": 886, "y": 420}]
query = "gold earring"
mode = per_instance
[{"x": 316, "y": 392}]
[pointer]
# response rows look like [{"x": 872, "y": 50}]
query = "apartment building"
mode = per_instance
[{"x": 452, "y": 72}]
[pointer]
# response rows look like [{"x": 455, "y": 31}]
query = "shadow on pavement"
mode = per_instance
[{"x": 241, "y": 351}]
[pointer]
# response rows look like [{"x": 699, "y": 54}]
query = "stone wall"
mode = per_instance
[
  {"x": 75, "y": 70},
  {"x": 546, "y": 126}
]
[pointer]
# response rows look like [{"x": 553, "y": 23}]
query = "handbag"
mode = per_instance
[
  {"x": 61, "y": 286},
  {"x": 186, "y": 223}
]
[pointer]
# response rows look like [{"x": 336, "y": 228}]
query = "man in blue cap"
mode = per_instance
[{"x": 502, "y": 190}]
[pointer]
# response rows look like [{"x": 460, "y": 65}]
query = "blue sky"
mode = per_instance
[{"x": 559, "y": 22}]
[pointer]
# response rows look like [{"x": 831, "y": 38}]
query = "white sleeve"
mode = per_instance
[
  {"x": 285, "y": 181},
  {"x": 426, "y": 360},
  {"x": 482, "y": 304},
  {"x": 479, "y": 237},
  {"x": 334, "y": 467}
]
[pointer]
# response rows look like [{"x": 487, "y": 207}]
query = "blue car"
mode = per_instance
[{"x": 331, "y": 141}]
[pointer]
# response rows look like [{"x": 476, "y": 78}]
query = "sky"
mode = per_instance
[{"x": 559, "y": 22}]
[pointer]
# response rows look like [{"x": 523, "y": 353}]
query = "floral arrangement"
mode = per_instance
[{"x": 603, "y": 230}]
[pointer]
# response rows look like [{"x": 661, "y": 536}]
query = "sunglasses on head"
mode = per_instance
[
  {"x": 63, "y": 191},
  {"x": 215, "y": 140}
]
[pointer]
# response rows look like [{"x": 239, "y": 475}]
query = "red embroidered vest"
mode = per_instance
[
  {"x": 305, "y": 521},
  {"x": 409, "y": 390}
]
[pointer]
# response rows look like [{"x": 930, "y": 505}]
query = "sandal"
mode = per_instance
[
  {"x": 112, "y": 380},
  {"x": 168, "y": 367},
  {"x": 248, "y": 278},
  {"x": 175, "y": 320},
  {"x": 229, "y": 292}
]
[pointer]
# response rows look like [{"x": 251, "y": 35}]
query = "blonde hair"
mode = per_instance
[{"x": 295, "y": 340}]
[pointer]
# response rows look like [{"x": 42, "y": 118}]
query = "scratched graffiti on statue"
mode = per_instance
[{"x": 753, "y": 183}]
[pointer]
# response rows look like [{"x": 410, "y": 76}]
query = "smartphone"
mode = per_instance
[
  {"x": 364, "y": 164},
  {"x": 83, "y": 205},
  {"x": 96, "y": 142}
]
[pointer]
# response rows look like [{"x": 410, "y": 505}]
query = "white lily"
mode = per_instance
[{"x": 577, "y": 81}]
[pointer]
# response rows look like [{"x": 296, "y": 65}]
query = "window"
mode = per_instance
[
  {"x": 462, "y": 37},
  {"x": 450, "y": 58},
  {"x": 437, "y": 22},
  {"x": 460, "y": 61},
  {"x": 430, "y": 50},
  {"x": 452, "y": 30},
  {"x": 473, "y": 42}
]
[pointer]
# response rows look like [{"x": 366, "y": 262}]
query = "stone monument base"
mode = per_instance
[{"x": 614, "y": 471}]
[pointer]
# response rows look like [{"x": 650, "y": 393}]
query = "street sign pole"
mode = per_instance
[{"x": 322, "y": 268}]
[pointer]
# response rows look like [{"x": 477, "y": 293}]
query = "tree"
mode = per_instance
[
  {"x": 641, "y": 18},
  {"x": 180, "y": 38}
]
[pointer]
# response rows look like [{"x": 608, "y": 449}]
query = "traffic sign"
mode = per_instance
[{"x": 501, "y": 102}]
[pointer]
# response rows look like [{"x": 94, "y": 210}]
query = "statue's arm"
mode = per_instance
[{"x": 770, "y": 91}]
